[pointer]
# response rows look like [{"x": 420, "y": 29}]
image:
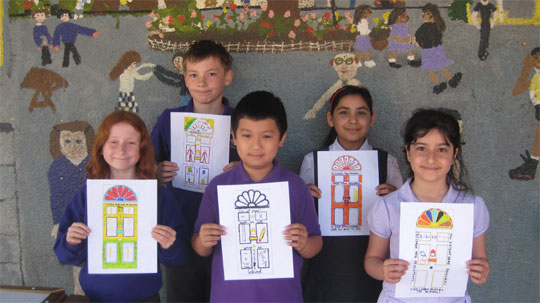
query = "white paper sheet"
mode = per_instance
[
  {"x": 436, "y": 239},
  {"x": 255, "y": 216},
  {"x": 121, "y": 216},
  {"x": 200, "y": 147},
  {"x": 347, "y": 180}
]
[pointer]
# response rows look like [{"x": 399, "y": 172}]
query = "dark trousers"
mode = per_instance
[
  {"x": 190, "y": 282},
  {"x": 70, "y": 48},
  {"x": 337, "y": 273},
  {"x": 45, "y": 55},
  {"x": 484, "y": 40}
]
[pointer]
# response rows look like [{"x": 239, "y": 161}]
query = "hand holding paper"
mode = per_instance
[
  {"x": 394, "y": 269},
  {"x": 210, "y": 234},
  {"x": 77, "y": 232},
  {"x": 315, "y": 191},
  {"x": 164, "y": 235},
  {"x": 166, "y": 171},
  {"x": 478, "y": 270}
]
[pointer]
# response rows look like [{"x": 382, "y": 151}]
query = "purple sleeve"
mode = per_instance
[
  {"x": 208, "y": 212},
  {"x": 161, "y": 137},
  {"x": 304, "y": 211},
  {"x": 170, "y": 215},
  {"x": 481, "y": 217},
  {"x": 83, "y": 30},
  {"x": 75, "y": 212},
  {"x": 378, "y": 219}
]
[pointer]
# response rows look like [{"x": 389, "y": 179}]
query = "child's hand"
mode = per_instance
[
  {"x": 57, "y": 48},
  {"x": 164, "y": 235},
  {"x": 394, "y": 269},
  {"x": 231, "y": 165},
  {"x": 77, "y": 232},
  {"x": 296, "y": 236},
  {"x": 315, "y": 191},
  {"x": 478, "y": 269},
  {"x": 95, "y": 34},
  {"x": 166, "y": 171},
  {"x": 210, "y": 234},
  {"x": 385, "y": 189},
  {"x": 38, "y": 48}
]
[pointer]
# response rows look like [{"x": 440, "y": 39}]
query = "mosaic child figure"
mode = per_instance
[
  {"x": 488, "y": 14},
  {"x": 69, "y": 144},
  {"x": 400, "y": 39},
  {"x": 346, "y": 65},
  {"x": 527, "y": 170},
  {"x": 175, "y": 79},
  {"x": 67, "y": 33},
  {"x": 42, "y": 38}
]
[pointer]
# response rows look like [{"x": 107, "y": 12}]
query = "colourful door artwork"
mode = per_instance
[
  {"x": 432, "y": 256},
  {"x": 346, "y": 192},
  {"x": 253, "y": 221},
  {"x": 120, "y": 228},
  {"x": 199, "y": 133}
]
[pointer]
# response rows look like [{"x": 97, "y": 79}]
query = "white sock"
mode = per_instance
[
  {"x": 392, "y": 60},
  {"x": 410, "y": 58},
  {"x": 535, "y": 158}
]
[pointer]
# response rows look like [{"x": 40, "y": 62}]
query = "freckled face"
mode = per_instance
[
  {"x": 431, "y": 157},
  {"x": 122, "y": 151}
]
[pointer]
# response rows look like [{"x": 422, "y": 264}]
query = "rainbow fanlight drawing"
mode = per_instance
[{"x": 434, "y": 218}]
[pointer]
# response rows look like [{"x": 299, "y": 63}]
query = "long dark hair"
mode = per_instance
[
  {"x": 337, "y": 96},
  {"x": 422, "y": 122}
]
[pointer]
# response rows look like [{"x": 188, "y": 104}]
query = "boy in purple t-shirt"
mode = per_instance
[{"x": 259, "y": 128}]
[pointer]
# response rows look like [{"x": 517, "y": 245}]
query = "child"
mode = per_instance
[
  {"x": 400, "y": 39},
  {"x": 207, "y": 70},
  {"x": 259, "y": 128},
  {"x": 126, "y": 69},
  {"x": 485, "y": 9},
  {"x": 337, "y": 273},
  {"x": 42, "y": 38},
  {"x": 363, "y": 42},
  {"x": 429, "y": 38},
  {"x": 67, "y": 32},
  {"x": 122, "y": 150},
  {"x": 432, "y": 144}
]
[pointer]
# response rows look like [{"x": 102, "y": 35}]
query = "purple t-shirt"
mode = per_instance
[
  {"x": 269, "y": 290},
  {"x": 383, "y": 220}
]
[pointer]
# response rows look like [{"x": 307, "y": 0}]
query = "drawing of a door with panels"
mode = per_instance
[
  {"x": 433, "y": 242},
  {"x": 198, "y": 133},
  {"x": 120, "y": 228},
  {"x": 346, "y": 193}
]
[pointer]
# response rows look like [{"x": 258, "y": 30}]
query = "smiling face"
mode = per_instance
[
  {"x": 345, "y": 66},
  {"x": 431, "y": 157},
  {"x": 122, "y": 151},
  {"x": 206, "y": 80},
  {"x": 257, "y": 144},
  {"x": 352, "y": 120}
]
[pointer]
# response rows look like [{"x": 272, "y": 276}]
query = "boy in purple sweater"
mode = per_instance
[
  {"x": 207, "y": 68},
  {"x": 42, "y": 38},
  {"x": 259, "y": 128},
  {"x": 67, "y": 33}
]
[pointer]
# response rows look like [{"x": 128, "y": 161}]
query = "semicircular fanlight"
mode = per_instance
[{"x": 434, "y": 218}]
